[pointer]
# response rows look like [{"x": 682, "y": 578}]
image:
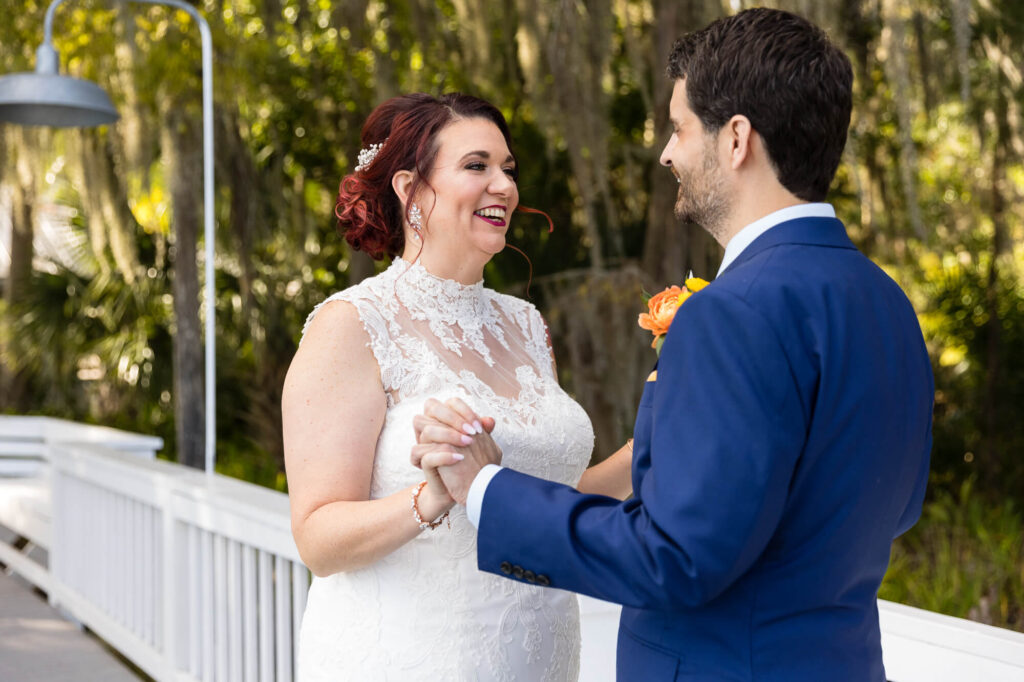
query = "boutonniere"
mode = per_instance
[{"x": 662, "y": 307}]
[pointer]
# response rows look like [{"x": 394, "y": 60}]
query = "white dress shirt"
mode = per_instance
[{"x": 737, "y": 245}]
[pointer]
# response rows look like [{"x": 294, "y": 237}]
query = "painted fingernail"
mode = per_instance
[
  {"x": 468, "y": 429},
  {"x": 457, "y": 457},
  {"x": 466, "y": 440},
  {"x": 478, "y": 426}
]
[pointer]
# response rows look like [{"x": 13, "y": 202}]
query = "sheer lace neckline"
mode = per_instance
[
  {"x": 458, "y": 314},
  {"x": 428, "y": 296}
]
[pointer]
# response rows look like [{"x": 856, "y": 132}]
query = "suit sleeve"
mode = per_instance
[{"x": 726, "y": 430}]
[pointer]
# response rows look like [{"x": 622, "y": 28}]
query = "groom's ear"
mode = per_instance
[{"x": 738, "y": 133}]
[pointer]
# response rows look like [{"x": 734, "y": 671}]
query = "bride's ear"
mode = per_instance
[{"x": 401, "y": 182}]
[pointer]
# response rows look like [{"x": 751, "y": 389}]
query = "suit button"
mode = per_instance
[
  {"x": 517, "y": 571},
  {"x": 530, "y": 576},
  {"x": 506, "y": 568},
  {"x": 543, "y": 580}
]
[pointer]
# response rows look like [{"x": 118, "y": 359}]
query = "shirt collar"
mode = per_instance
[{"x": 742, "y": 239}]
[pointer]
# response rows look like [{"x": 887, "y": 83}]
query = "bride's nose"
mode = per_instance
[{"x": 502, "y": 185}]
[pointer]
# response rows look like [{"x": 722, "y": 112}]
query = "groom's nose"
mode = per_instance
[{"x": 665, "y": 159}]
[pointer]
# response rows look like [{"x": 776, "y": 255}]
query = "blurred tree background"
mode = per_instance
[{"x": 100, "y": 228}]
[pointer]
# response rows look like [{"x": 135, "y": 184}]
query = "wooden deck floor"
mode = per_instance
[{"x": 37, "y": 645}]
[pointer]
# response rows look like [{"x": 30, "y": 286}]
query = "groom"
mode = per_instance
[{"x": 784, "y": 442}]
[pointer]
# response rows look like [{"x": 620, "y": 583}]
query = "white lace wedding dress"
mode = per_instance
[{"x": 425, "y": 612}]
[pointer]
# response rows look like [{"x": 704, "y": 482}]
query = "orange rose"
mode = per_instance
[{"x": 662, "y": 309}]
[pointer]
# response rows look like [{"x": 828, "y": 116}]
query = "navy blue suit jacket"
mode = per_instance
[{"x": 783, "y": 446}]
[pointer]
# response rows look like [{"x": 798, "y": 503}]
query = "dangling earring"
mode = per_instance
[{"x": 415, "y": 221}]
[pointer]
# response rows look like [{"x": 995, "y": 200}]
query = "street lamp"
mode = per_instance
[{"x": 46, "y": 98}]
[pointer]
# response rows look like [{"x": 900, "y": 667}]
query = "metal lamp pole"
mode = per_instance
[{"x": 49, "y": 99}]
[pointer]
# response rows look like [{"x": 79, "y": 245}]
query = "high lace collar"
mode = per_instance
[{"x": 422, "y": 292}]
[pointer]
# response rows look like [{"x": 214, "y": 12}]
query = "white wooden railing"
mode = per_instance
[
  {"x": 25, "y": 481},
  {"x": 196, "y": 577},
  {"x": 191, "y": 577},
  {"x": 201, "y": 579}
]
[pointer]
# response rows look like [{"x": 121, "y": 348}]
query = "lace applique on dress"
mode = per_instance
[
  {"x": 425, "y": 612},
  {"x": 457, "y": 314}
]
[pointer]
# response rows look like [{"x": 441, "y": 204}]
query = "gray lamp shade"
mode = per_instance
[{"x": 42, "y": 99}]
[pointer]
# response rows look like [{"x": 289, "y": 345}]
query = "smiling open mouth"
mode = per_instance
[{"x": 495, "y": 215}]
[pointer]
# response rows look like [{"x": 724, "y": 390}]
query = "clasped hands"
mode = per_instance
[{"x": 453, "y": 444}]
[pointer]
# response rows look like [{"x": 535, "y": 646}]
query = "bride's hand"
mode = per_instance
[
  {"x": 456, "y": 467},
  {"x": 452, "y": 422},
  {"x": 435, "y": 498},
  {"x": 443, "y": 451}
]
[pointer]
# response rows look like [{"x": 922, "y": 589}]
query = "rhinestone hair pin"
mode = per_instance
[{"x": 366, "y": 156}]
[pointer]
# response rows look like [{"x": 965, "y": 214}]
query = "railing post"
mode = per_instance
[
  {"x": 55, "y": 552},
  {"x": 169, "y": 634}
]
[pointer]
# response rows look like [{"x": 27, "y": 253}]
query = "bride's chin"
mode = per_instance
[{"x": 493, "y": 246}]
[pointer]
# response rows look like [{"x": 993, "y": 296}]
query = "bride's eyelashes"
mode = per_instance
[{"x": 480, "y": 166}]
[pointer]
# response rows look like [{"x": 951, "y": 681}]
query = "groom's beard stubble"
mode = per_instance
[{"x": 702, "y": 197}]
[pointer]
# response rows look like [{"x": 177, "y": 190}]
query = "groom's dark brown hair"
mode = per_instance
[{"x": 782, "y": 73}]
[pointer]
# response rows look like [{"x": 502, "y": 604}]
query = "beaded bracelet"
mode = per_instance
[{"x": 416, "y": 512}]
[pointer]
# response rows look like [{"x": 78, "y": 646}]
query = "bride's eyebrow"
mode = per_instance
[{"x": 484, "y": 155}]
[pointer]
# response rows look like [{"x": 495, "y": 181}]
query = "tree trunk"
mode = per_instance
[
  {"x": 180, "y": 150},
  {"x": 23, "y": 197},
  {"x": 81, "y": 172},
  {"x": 672, "y": 248},
  {"x": 924, "y": 63},
  {"x": 894, "y": 39},
  {"x": 109, "y": 202},
  {"x": 239, "y": 174},
  {"x": 858, "y": 37},
  {"x": 601, "y": 349},
  {"x": 563, "y": 49},
  {"x": 133, "y": 141},
  {"x": 961, "y": 20},
  {"x": 22, "y": 224},
  {"x": 1000, "y": 246}
]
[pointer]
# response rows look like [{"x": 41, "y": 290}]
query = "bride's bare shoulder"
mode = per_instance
[{"x": 334, "y": 343}]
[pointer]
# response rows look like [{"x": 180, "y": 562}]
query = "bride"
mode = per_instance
[{"x": 396, "y": 593}]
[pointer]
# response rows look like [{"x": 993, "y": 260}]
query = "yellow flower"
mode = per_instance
[{"x": 695, "y": 284}]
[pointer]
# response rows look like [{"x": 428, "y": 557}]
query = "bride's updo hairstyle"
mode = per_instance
[{"x": 369, "y": 213}]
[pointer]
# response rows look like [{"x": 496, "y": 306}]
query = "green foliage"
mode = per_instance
[
  {"x": 964, "y": 558},
  {"x": 975, "y": 328},
  {"x": 244, "y": 460},
  {"x": 90, "y": 348},
  {"x": 294, "y": 80}
]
